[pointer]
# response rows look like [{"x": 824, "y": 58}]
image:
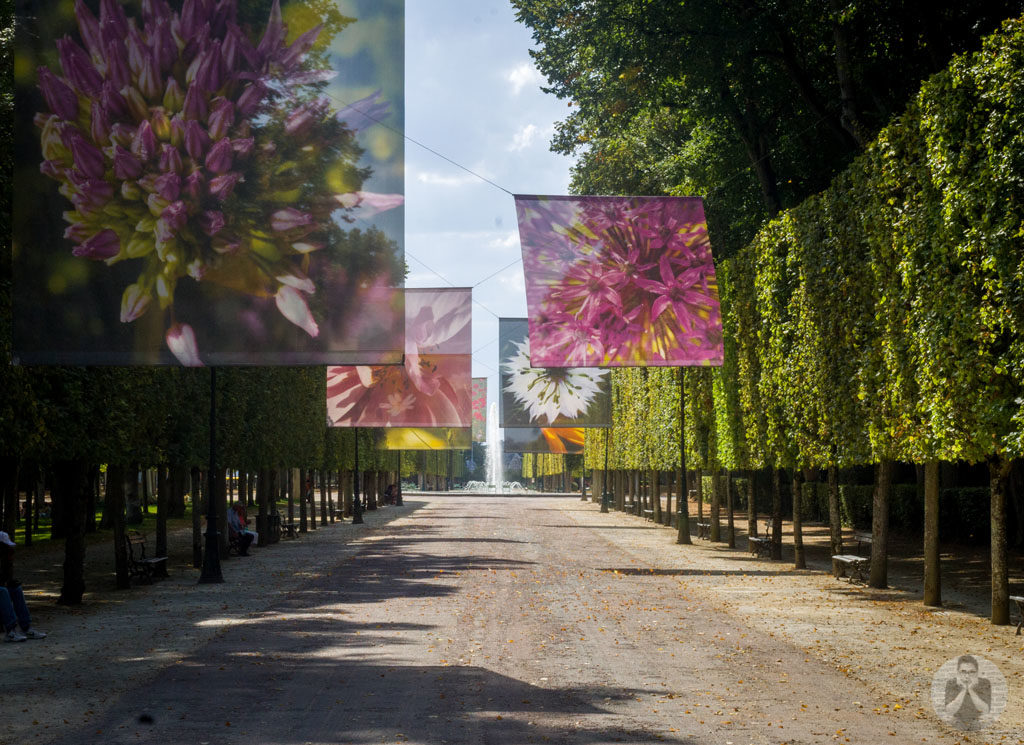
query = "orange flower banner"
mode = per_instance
[{"x": 564, "y": 440}]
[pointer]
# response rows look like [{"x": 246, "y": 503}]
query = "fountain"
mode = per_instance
[{"x": 495, "y": 474}]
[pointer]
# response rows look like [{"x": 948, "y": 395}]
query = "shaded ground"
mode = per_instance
[{"x": 482, "y": 619}]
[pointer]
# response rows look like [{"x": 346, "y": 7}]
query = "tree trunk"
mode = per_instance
[
  {"x": 998, "y": 472},
  {"x": 325, "y": 507},
  {"x": 197, "y": 517},
  {"x": 799, "y": 560},
  {"x": 835, "y": 522},
  {"x": 92, "y": 495},
  {"x": 113, "y": 508},
  {"x": 134, "y": 501},
  {"x": 683, "y": 508},
  {"x": 162, "y": 487},
  {"x": 776, "y": 513},
  {"x": 730, "y": 520},
  {"x": 849, "y": 119},
  {"x": 656, "y": 495},
  {"x": 303, "y": 501},
  {"x": 932, "y": 567},
  {"x": 71, "y": 482},
  {"x": 879, "y": 576},
  {"x": 716, "y": 505},
  {"x": 751, "y": 504},
  {"x": 698, "y": 480},
  {"x": 176, "y": 496},
  {"x": 221, "y": 505}
]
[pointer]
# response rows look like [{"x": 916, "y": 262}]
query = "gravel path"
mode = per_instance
[{"x": 501, "y": 620}]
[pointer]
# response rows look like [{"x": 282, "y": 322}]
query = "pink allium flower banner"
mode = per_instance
[
  {"x": 426, "y": 438},
  {"x": 547, "y": 396},
  {"x": 431, "y": 388},
  {"x": 479, "y": 397},
  {"x": 208, "y": 182},
  {"x": 619, "y": 281}
]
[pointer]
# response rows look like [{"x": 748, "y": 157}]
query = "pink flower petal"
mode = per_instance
[
  {"x": 181, "y": 340},
  {"x": 293, "y": 307}
]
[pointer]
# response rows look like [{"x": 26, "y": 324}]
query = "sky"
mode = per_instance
[{"x": 473, "y": 96}]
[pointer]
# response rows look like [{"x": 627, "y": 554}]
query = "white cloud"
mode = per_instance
[
  {"x": 523, "y": 75},
  {"x": 434, "y": 178},
  {"x": 524, "y": 138}
]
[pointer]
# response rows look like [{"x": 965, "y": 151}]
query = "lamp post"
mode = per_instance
[
  {"x": 211, "y": 556},
  {"x": 357, "y": 507},
  {"x": 605, "y": 496}
]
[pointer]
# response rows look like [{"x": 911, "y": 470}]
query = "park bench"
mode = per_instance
[
  {"x": 141, "y": 566},
  {"x": 338, "y": 514},
  {"x": 704, "y": 530},
  {"x": 648, "y": 514},
  {"x": 290, "y": 528},
  {"x": 629, "y": 507},
  {"x": 863, "y": 539},
  {"x": 1019, "y": 601},
  {"x": 848, "y": 565},
  {"x": 760, "y": 547}
]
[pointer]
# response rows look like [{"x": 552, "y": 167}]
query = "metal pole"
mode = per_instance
[
  {"x": 605, "y": 496},
  {"x": 357, "y": 507},
  {"x": 211, "y": 557},
  {"x": 683, "y": 506}
]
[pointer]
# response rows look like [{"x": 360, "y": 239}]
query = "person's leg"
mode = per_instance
[
  {"x": 244, "y": 540},
  {"x": 7, "y": 614},
  {"x": 20, "y": 607}
]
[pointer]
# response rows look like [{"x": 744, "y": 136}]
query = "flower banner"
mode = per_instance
[
  {"x": 426, "y": 438},
  {"x": 619, "y": 281},
  {"x": 564, "y": 440},
  {"x": 479, "y": 398},
  {"x": 547, "y": 397},
  {"x": 208, "y": 182},
  {"x": 431, "y": 388}
]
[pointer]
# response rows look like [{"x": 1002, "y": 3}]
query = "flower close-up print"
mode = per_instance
[{"x": 619, "y": 281}]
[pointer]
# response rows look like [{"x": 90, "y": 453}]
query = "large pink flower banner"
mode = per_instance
[
  {"x": 547, "y": 397},
  {"x": 431, "y": 388},
  {"x": 619, "y": 281},
  {"x": 208, "y": 182},
  {"x": 479, "y": 397}
]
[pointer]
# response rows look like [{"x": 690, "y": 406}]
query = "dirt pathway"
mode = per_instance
[{"x": 509, "y": 621}]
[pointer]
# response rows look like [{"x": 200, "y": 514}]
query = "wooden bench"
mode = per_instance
[
  {"x": 648, "y": 514},
  {"x": 1019, "y": 600},
  {"x": 862, "y": 539},
  {"x": 848, "y": 565},
  {"x": 141, "y": 566},
  {"x": 290, "y": 528},
  {"x": 629, "y": 507},
  {"x": 704, "y": 530},
  {"x": 760, "y": 547}
]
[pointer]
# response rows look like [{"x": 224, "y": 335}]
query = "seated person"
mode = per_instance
[
  {"x": 13, "y": 609},
  {"x": 236, "y": 528}
]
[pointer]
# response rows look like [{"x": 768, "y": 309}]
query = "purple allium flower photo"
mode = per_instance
[
  {"x": 619, "y": 281},
  {"x": 200, "y": 146}
]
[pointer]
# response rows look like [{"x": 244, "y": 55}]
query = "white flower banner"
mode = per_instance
[{"x": 547, "y": 397}]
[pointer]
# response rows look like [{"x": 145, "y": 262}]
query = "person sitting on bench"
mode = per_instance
[
  {"x": 13, "y": 609},
  {"x": 236, "y": 525}
]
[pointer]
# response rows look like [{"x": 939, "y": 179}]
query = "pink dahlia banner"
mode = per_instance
[
  {"x": 479, "y": 397},
  {"x": 431, "y": 388},
  {"x": 619, "y": 281},
  {"x": 208, "y": 182},
  {"x": 547, "y": 396}
]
